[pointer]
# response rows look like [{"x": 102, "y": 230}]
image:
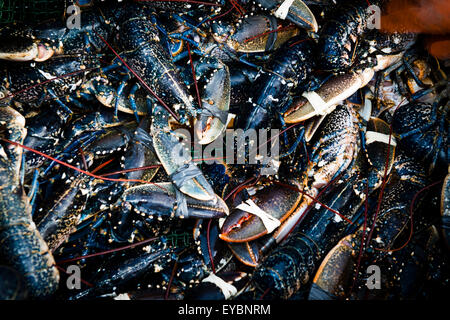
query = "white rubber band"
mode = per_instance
[
  {"x": 231, "y": 116},
  {"x": 221, "y": 222},
  {"x": 270, "y": 223},
  {"x": 227, "y": 289},
  {"x": 316, "y": 101},
  {"x": 366, "y": 109},
  {"x": 48, "y": 76},
  {"x": 283, "y": 9},
  {"x": 373, "y": 136}
]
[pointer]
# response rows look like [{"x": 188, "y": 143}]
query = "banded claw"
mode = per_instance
[
  {"x": 295, "y": 11},
  {"x": 334, "y": 91},
  {"x": 327, "y": 97},
  {"x": 380, "y": 146},
  {"x": 275, "y": 201}
]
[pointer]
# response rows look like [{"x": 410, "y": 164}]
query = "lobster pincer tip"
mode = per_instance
[
  {"x": 247, "y": 253},
  {"x": 250, "y": 221},
  {"x": 19, "y": 49},
  {"x": 312, "y": 104},
  {"x": 207, "y": 130},
  {"x": 246, "y": 233},
  {"x": 299, "y": 111},
  {"x": 44, "y": 53},
  {"x": 298, "y": 13}
]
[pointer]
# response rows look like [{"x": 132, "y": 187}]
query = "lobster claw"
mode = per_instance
[
  {"x": 247, "y": 252},
  {"x": 254, "y": 34},
  {"x": 212, "y": 249},
  {"x": 296, "y": 11},
  {"x": 327, "y": 97},
  {"x": 176, "y": 160},
  {"x": 19, "y": 45},
  {"x": 22, "y": 244},
  {"x": 213, "y": 118},
  {"x": 161, "y": 199},
  {"x": 333, "y": 271},
  {"x": 334, "y": 91},
  {"x": 312, "y": 126},
  {"x": 270, "y": 206}
]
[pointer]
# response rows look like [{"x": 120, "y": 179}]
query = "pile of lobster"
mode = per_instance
[{"x": 103, "y": 194}]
